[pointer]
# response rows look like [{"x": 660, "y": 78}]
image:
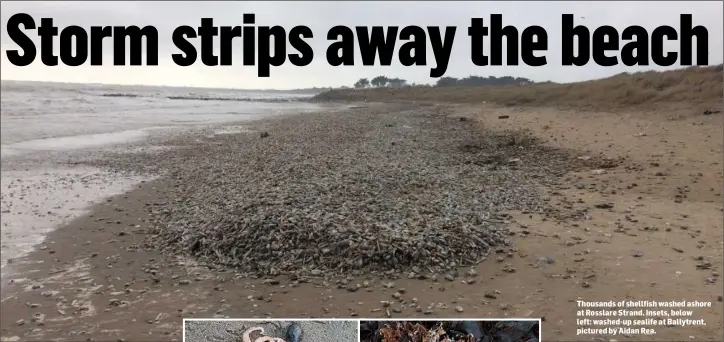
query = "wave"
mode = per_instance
[
  {"x": 243, "y": 99},
  {"x": 194, "y": 97},
  {"x": 120, "y": 95}
]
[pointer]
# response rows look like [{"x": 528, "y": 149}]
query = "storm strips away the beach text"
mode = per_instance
[{"x": 265, "y": 47}]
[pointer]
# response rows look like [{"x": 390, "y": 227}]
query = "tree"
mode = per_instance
[
  {"x": 396, "y": 82},
  {"x": 483, "y": 81},
  {"x": 379, "y": 81},
  {"x": 362, "y": 83},
  {"x": 447, "y": 81}
]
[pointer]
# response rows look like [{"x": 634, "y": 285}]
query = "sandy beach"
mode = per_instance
[
  {"x": 625, "y": 210},
  {"x": 314, "y": 171}
]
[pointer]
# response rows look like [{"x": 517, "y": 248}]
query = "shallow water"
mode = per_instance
[{"x": 31, "y": 111}]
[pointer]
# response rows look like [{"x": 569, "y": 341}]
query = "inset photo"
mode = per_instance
[
  {"x": 522, "y": 330},
  {"x": 269, "y": 330}
]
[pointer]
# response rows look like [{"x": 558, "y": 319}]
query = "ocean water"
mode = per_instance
[
  {"x": 52, "y": 116},
  {"x": 44, "y": 125}
]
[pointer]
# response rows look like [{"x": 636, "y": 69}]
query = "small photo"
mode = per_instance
[
  {"x": 269, "y": 330},
  {"x": 450, "y": 331}
]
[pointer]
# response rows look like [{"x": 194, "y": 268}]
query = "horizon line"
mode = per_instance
[
  {"x": 161, "y": 85},
  {"x": 340, "y": 86}
]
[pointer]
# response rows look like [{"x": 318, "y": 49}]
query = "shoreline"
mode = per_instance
[
  {"x": 47, "y": 174},
  {"x": 113, "y": 287},
  {"x": 64, "y": 193}
]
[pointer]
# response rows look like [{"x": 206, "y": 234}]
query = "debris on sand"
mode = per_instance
[
  {"x": 247, "y": 336},
  {"x": 449, "y": 331},
  {"x": 332, "y": 196}
]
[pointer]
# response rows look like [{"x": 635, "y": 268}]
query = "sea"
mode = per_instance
[
  {"x": 45, "y": 125},
  {"x": 39, "y": 115}
]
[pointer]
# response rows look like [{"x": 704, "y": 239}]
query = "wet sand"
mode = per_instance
[{"x": 36, "y": 201}]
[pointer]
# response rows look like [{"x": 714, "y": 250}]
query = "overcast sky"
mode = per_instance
[{"x": 320, "y": 17}]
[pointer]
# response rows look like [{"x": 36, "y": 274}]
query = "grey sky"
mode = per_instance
[{"x": 321, "y": 16}]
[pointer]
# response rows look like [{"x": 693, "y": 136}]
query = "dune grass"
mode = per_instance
[{"x": 697, "y": 87}]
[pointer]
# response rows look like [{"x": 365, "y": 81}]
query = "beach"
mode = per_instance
[{"x": 575, "y": 205}]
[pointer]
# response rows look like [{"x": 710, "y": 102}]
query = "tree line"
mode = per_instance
[
  {"x": 384, "y": 81},
  {"x": 381, "y": 81}
]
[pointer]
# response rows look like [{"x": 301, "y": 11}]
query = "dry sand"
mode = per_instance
[{"x": 97, "y": 284}]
